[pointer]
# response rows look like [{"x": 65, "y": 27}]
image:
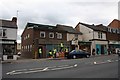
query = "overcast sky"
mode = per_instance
[{"x": 52, "y": 12}]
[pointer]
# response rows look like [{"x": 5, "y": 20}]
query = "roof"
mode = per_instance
[
  {"x": 99, "y": 27},
  {"x": 115, "y": 24},
  {"x": 38, "y": 25},
  {"x": 7, "y": 23},
  {"x": 58, "y": 27},
  {"x": 68, "y": 29}
]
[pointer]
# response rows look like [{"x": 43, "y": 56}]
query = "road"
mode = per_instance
[{"x": 93, "y": 67}]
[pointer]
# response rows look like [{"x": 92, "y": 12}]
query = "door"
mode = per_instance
[{"x": 98, "y": 49}]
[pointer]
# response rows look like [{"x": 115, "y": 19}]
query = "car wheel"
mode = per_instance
[
  {"x": 74, "y": 57},
  {"x": 87, "y": 56}
]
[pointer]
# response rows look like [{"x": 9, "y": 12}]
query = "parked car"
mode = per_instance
[{"x": 78, "y": 54}]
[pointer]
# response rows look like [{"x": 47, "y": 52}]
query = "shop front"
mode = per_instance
[
  {"x": 100, "y": 47},
  {"x": 8, "y": 50},
  {"x": 85, "y": 46}
]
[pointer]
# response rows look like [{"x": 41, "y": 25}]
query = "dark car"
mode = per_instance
[{"x": 78, "y": 54}]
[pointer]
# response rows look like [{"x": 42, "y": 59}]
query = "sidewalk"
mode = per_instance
[{"x": 28, "y": 60}]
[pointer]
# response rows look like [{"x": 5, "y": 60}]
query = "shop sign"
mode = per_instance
[
  {"x": 75, "y": 42},
  {"x": 7, "y": 42}
]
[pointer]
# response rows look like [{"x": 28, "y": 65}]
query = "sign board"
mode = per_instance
[
  {"x": 75, "y": 42},
  {"x": 114, "y": 42}
]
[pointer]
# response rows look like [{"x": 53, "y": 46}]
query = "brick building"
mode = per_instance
[
  {"x": 47, "y": 37},
  {"x": 113, "y": 34}
]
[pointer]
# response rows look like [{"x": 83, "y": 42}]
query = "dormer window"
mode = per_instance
[
  {"x": 50, "y": 27},
  {"x": 35, "y": 25}
]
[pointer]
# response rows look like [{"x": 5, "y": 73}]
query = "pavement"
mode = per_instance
[{"x": 20, "y": 59}]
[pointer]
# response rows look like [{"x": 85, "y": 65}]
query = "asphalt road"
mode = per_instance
[{"x": 94, "y": 67}]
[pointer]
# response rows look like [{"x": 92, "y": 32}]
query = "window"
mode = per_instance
[
  {"x": 3, "y": 33},
  {"x": 100, "y": 35},
  {"x": 114, "y": 30},
  {"x": 42, "y": 34},
  {"x": 51, "y": 35},
  {"x": 76, "y": 36},
  {"x": 28, "y": 35},
  {"x": 109, "y": 29},
  {"x": 59, "y": 35}
]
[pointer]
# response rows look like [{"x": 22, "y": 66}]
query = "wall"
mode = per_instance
[
  {"x": 11, "y": 33},
  {"x": 96, "y": 35},
  {"x": 87, "y": 32},
  {"x": 70, "y": 36}
]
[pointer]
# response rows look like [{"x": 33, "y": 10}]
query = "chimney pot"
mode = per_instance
[{"x": 14, "y": 19}]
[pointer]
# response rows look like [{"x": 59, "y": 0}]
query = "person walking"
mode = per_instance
[
  {"x": 40, "y": 53},
  {"x": 93, "y": 52},
  {"x": 61, "y": 47},
  {"x": 66, "y": 52},
  {"x": 97, "y": 51},
  {"x": 50, "y": 54},
  {"x": 54, "y": 53}
]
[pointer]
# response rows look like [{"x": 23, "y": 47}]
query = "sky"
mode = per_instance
[{"x": 52, "y": 12}]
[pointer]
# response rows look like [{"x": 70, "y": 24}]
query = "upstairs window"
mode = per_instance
[
  {"x": 59, "y": 35},
  {"x": 51, "y": 35},
  {"x": 100, "y": 35},
  {"x": 42, "y": 34},
  {"x": 3, "y": 33}
]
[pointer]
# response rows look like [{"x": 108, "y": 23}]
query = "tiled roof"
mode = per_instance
[
  {"x": 115, "y": 24},
  {"x": 39, "y": 25},
  {"x": 58, "y": 27},
  {"x": 99, "y": 27},
  {"x": 68, "y": 29}
]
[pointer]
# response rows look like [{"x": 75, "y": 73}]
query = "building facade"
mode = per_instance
[
  {"x": 8, "y": 38},
  {"x": 94, "y": 37},
  {"x": 45, "y": 37},
  {"x": 113, "y": 34}
]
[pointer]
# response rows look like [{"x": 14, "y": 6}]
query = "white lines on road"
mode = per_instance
[
  {"x": 23, "y": 71},
  {"x": 103, "y": 62}
]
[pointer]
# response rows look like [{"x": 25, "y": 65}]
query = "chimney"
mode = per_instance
[{"x": 14, "y": 19}]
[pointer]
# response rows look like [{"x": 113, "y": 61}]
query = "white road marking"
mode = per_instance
[
  {"x": 40, "y": 69},
  {"x": 108, "y": 61}
]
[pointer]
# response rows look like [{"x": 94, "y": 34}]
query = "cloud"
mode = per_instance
[{"x": 68, "y": 12}]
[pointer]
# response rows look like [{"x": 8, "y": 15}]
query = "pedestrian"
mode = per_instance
[
  {"x": 93, "y": 52},
  {"x": 108, "y": 51},
  {"x": 97, "y": 51},
  {"x": 50, "y": 54},
  {"x": 66, "y": 52},
  {"x": 54, "y": 53},
  {"x": 40, "y": 53},
  {"x": 61, "y": 47}
]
